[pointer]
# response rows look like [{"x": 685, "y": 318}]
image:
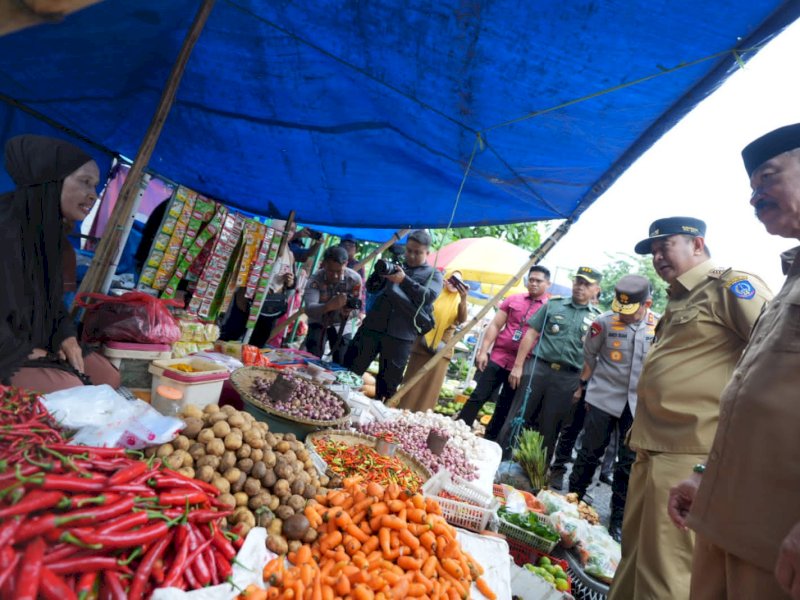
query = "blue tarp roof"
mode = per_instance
[{"x": 360, "y": 113}]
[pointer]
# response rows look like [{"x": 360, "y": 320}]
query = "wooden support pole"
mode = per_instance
[
  {"x": 537, "y": 255},
  {"x": 116, "y": 231},
  {"x": 396, "y": 236}
]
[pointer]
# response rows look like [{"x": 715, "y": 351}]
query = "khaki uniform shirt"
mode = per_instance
[
  {"x": 749, "y": 498},
  {"x": 562, "y": 326},
  {"x": 615, "y": 351},
  {"x": 704, "y": 329}
]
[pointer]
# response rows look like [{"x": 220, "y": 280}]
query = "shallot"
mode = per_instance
[{"x": 307, "y": 401}]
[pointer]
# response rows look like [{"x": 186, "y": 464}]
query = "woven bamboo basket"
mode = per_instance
[
  {"x": 279, "y": 421},
  {"x": 351, "y": 438}
]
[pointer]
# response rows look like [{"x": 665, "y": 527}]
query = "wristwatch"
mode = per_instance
[{"x": 699, "y": 468}]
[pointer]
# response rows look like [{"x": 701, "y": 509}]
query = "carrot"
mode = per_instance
[
  {"x": 342, "y": 586},
  {"x": 378, "y": 509},
  {"x": 395, "y": 506},
  {"x": 484, "y": 588},
  {"x": 375, "y": 489},
  {"x": 400, "y": 589},
  {"x": 392, "y": 522},
  {"x": 429, "y": 567},
  {"x": 415, "y": 590},
  {"x": 363, "y": 592},
  {"x": 303, "y": 555},
  {"x": 418, "y": 501},
  {"x": 409, "y": 564},
  {"x": 409, "y": 539},
  {"x": 313, "y": 516},
  {"x": 417, "y": 515},
  {"x": 330, "y": 541},
  {"x": 384, "y": 539},
  {"x": 353, "y": 530},
  {"x": 452, "y": 568}
]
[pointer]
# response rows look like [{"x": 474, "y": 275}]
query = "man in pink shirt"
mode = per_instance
[{"x": 505, "y": 332}]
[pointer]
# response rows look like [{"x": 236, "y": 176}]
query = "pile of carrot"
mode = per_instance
[{"x": 374, "y": 543}]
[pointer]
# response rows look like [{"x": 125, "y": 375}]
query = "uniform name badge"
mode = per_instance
[{"x": 517, "y": 335}]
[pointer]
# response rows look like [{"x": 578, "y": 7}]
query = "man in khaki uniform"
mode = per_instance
[
  {"x": 704, "y": 329},
  {"x": 747, "y": 510}
]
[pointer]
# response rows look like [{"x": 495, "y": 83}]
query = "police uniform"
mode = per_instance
[
  {"x": 615, "y": 352},
  {"x": 704, "y": 329},
  {"x": 553, "y": 372},
  {"x": 749, "y": 495}
]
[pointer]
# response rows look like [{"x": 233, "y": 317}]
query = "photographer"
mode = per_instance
[
  {"x": 401, "y": 311},
  {"x": 331, "y": 294}
]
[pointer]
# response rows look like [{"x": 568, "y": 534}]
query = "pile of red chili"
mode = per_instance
[
  {"x": 80, "y": 523},
  {"x": 363, "y": 460}
]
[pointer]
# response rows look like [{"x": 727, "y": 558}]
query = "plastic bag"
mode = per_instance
[
  {"x": 104, "y": 418},
  {"x": 556, "y": 502},
  {"x": 133, "y": 317},
  {"x": 226, "y": 361},
  {"x": 571, "y": 528}
]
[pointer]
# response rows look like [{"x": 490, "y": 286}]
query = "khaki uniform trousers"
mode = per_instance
[
  {"x": 656, "y": 556},
  {"x": 718, "y": 575}
]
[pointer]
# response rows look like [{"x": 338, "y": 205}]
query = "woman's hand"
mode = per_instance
[
  {"x": 680, "y": 500},
  {"x": 72, "y": 353},
  {"x": 514, "y": 376},
  {"x": 37, "y": 353},
  {"x": 288, "y": 280}
]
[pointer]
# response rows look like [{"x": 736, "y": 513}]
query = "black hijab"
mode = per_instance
[{"x": 38, "y": 166}]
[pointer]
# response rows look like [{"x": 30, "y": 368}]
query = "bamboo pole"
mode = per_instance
[
  {"x": 116, "y": 232},
  {"x": 537, "y": 255},
  {"x": 396, "y": 236}
]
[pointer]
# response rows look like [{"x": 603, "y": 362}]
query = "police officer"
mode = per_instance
[
  {"x": 613, "y": 355},
  {"x": 555, "y": 368},
  {"x": 705, "y": 327}
]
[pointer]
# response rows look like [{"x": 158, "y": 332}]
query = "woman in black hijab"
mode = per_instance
[{"x": 56, "y": 186}]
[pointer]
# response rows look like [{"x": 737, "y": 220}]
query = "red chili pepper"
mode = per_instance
[
  {"x": 178, "y": 566},
  {"x": 40, "y": 526},
  {"x": 81, "y": 500},
  {"x": 8, "y": 530},
  {"x": 7, "y": 571},
  {"x": 82, "y": 564},
  {"x": 197, "y": 563},
  {"x": 30, "y": 571},
  {"x": 54, "y": 587},
  {"x": 86, "y": 584},
  {"x": 158, "y": 571},
  {"x": 207, "y": 487},
  {"x": 146, "y": 567},
  {"x": 99, "y": 452},
  {"x": 138, "y": 489},
  {"x": 224, "y": 568},
  {"x": 179, "y": 498},
  {"x": 126, "y": 474},
  {"x": 222, "y": 543},
  {"x": 114, "y": 585},
  {"x": 127, "y": 539},
  {"x": 99, "y": 514},
  {"x": 72, "y": 483},
  {"x": 125, "y": 522},
  {"x": 33, "y": 501},
  {"x": 61, "y": 552},
  {"x": 208, "y": 554}
]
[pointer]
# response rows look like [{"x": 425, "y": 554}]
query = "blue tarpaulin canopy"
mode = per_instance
[{"x": 366, "y": 113}]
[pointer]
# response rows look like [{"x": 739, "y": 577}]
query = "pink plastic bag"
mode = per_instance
[{"x": 133, "y": 317}]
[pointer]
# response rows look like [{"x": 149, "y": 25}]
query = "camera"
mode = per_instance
[
  {"x": 353, "y": 303},
  {"x": 385, "y": 267},
  {"x": 314, "y": 235},
  {"x": 457, "y": 282}
]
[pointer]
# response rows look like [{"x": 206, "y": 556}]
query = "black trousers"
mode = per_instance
[
  {"x": 597, "y": 430},
  {"x": 569, "y": 435},
  {"x": 394, "y": 352},
  {"x": 493, "y": 377},
  {"x": 318, "y": 334},
  {"x": 548, "y": 404}
]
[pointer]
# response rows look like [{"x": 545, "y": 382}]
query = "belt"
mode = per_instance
[{"x": 562, "y": 367}]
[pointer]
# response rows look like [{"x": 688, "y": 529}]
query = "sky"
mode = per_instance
[{"x": 696, "y": 170}]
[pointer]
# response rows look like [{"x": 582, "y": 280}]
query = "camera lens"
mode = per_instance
[{"x": 384, "y": 267}]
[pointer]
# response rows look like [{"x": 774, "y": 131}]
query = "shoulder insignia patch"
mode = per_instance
[
  {"x": 597, "y": 329},
  {"x": 556, "y": 298},
  {"x": 741, "y": 288}
]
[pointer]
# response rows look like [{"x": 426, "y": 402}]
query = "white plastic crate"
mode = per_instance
[
  {"x": 528, "y": 537},
  {"x": 472, "y": 509}
]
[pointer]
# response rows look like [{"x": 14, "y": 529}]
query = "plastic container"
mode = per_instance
[
  {"x": 512, "y": 532},
  {"x": 200, "y": 387},
  {"x": 168, "y": 400},
  {"x": 462, "y": 505},
  {"x": 133, "y": 361}
]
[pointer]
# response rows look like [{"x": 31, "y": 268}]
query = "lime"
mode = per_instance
[
  {"x": 544, "y": 561},
  {"x": 562, "y": 585}
]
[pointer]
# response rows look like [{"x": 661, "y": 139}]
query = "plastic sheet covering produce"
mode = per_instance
[{"x": 492, "y": 554}]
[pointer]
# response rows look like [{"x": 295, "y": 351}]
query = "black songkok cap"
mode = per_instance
[{"x": 770, "y": 145}]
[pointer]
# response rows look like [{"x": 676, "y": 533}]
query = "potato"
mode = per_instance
[
  {"x": 264, "y": 517},
  {"x": 190, "y": 411},
  {"x": 243, "y": 451},
  {"x": 258, "y": 500},
  {"x": 277, "y": 544},
  {"x": 197, "y": 451},
  {"x": 210, "y": 409},
  {"x": 324, "y": 480},
  {"x": 298, "y": 486},
  {"x": 181, "y": 442},
  {"x": 269, "y": 479},
  {"x": 232, "y": 475},
  {"x": 295, "y": 545},
  {"x": 236, "y": 420},
  {"x": 303, "y": 455},
  {"x": 283, "y": 471},
  {"x": 233, "y": 441},
  {"x": 257, "y": 455},
  {"x": 310, "y": 536},
  {"x": 290, "y": 437},
  {"x": 228, "y": 409},
  {"x": 227, "y": 461},
  {"x": 274, "y": 503},
  {"x": 243, "y": 515},
  {"x": 211, "y": 461},
  {"x": 282, "y": 489},
  {"x": 241, "y": 498},
  {"x": 150, "y": 451},
  {"x": 239, "y": 485},
  {"x": 297, "y": 503},
  {"x": 245, "y": 465},
  {"x": 205, "y": 473},
  {"x": 275, "y": 527},
  {"x": 254, "y": 438},
  {"x": 215, "y": 447},
  {"x": 187, "y": 472},
  {"x": 259, "y": 469},
  {"x": 290, "y": 457},
  {"x": 217, "y": 417},
  {"x": 310, "y": 492},
  {"x": 270, "y": 459},
  {"x": 252, "y": 486},
  {"x": 221, "y": 429},
  {"x": 282, "y": 447},
  {"x": 194, "y": 426},
  {"x": 164, "y": 450},
  {"x": 227, "y": 499},
  {"x": 205, "y": 435},
  {"x": 270, "y": 439},
  {"x": 222, "y": 484}
]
